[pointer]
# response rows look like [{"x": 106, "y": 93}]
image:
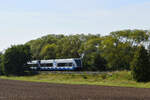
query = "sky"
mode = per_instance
[{"x": 24, "y": 20}]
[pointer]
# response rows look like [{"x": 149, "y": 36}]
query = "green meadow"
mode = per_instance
[{"x": 118, "y": 78}]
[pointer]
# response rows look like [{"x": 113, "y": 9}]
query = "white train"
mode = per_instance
[{"x": 56, "y": 64}]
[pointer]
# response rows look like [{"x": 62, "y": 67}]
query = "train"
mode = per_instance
[{"x": 71, "y": 64}]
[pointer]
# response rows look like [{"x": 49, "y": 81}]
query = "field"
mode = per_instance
[{"x": 19, "y": 90}]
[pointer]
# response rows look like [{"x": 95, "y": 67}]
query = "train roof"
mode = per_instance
[{"x": 54, "y": 60}]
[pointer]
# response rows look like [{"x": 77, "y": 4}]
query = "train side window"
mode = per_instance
[
  {"x": 61, "y": 64},
  {"x": 65, "y": 64},
  {"x": 33, "y": 65},
  {"x": 47, "y": 65},
  {"x": 70, "y": 64}
]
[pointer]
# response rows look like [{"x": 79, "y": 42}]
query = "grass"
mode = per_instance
[{"x": 120, "y": 78}]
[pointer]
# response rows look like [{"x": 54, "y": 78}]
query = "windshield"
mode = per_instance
[{"x": 78, "y": 62}]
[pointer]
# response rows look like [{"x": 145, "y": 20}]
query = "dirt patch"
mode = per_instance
[{"x": 18, "y": 90}]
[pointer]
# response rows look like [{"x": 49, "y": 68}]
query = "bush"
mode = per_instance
[
  {"x": 94, "y": 62},
  {"x": 14, "y": 59},
  {"x": 140, "y": 66}
]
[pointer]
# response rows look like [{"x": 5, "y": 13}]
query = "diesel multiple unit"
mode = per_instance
[{"x": 56, "y": 64}]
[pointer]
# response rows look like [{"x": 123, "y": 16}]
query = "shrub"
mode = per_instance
[
  {"x": 14, "y": 59},
  {"x": 140, "y": 66}
]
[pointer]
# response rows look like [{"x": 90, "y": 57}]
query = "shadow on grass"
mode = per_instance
[{"x": 31, "y": 73}]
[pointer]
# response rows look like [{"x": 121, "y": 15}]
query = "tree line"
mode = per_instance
[{"x": 120, "y": 50}]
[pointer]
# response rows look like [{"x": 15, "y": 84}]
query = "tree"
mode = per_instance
[
  {"x": 15, "y": 58},
  {"x": 117, "y": 50},
  {"x": 48, "y": 51},
  {"x": 68, "y": 47},
  {"x": 140, "y": 65},
  {"x": 38, "y": 44},
  {"x": 135, "y": 37},
  {"x": 93, "y": 59}
]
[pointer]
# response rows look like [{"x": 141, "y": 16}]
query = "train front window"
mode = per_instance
[{"x": 78, "y": 62}]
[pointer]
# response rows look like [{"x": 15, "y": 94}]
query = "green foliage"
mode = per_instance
[
  {"x": 117, "y": 54},
  {"x": 68, "y": 47},
  {"x": 118, "y": 48},
  {"x": 135, "y": 37},
  {"x": 104, "y": 76},
  {"x": 48, "y": 51},
  {"x": 112, "y": 52},
  {"x": 15, "y": 58},
  {"x": 94, "y": 62},
  {"x": 92, "y": 59},
  {"x": 141, "y": 65},
  {"x": 39, "y": 44},
  {"x": 63, "y": 46}
]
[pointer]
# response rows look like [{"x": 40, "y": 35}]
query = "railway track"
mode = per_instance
[{"x": 74, "y": 72}]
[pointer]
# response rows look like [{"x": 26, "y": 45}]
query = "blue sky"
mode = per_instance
[{"x": 24, "y": 20}]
